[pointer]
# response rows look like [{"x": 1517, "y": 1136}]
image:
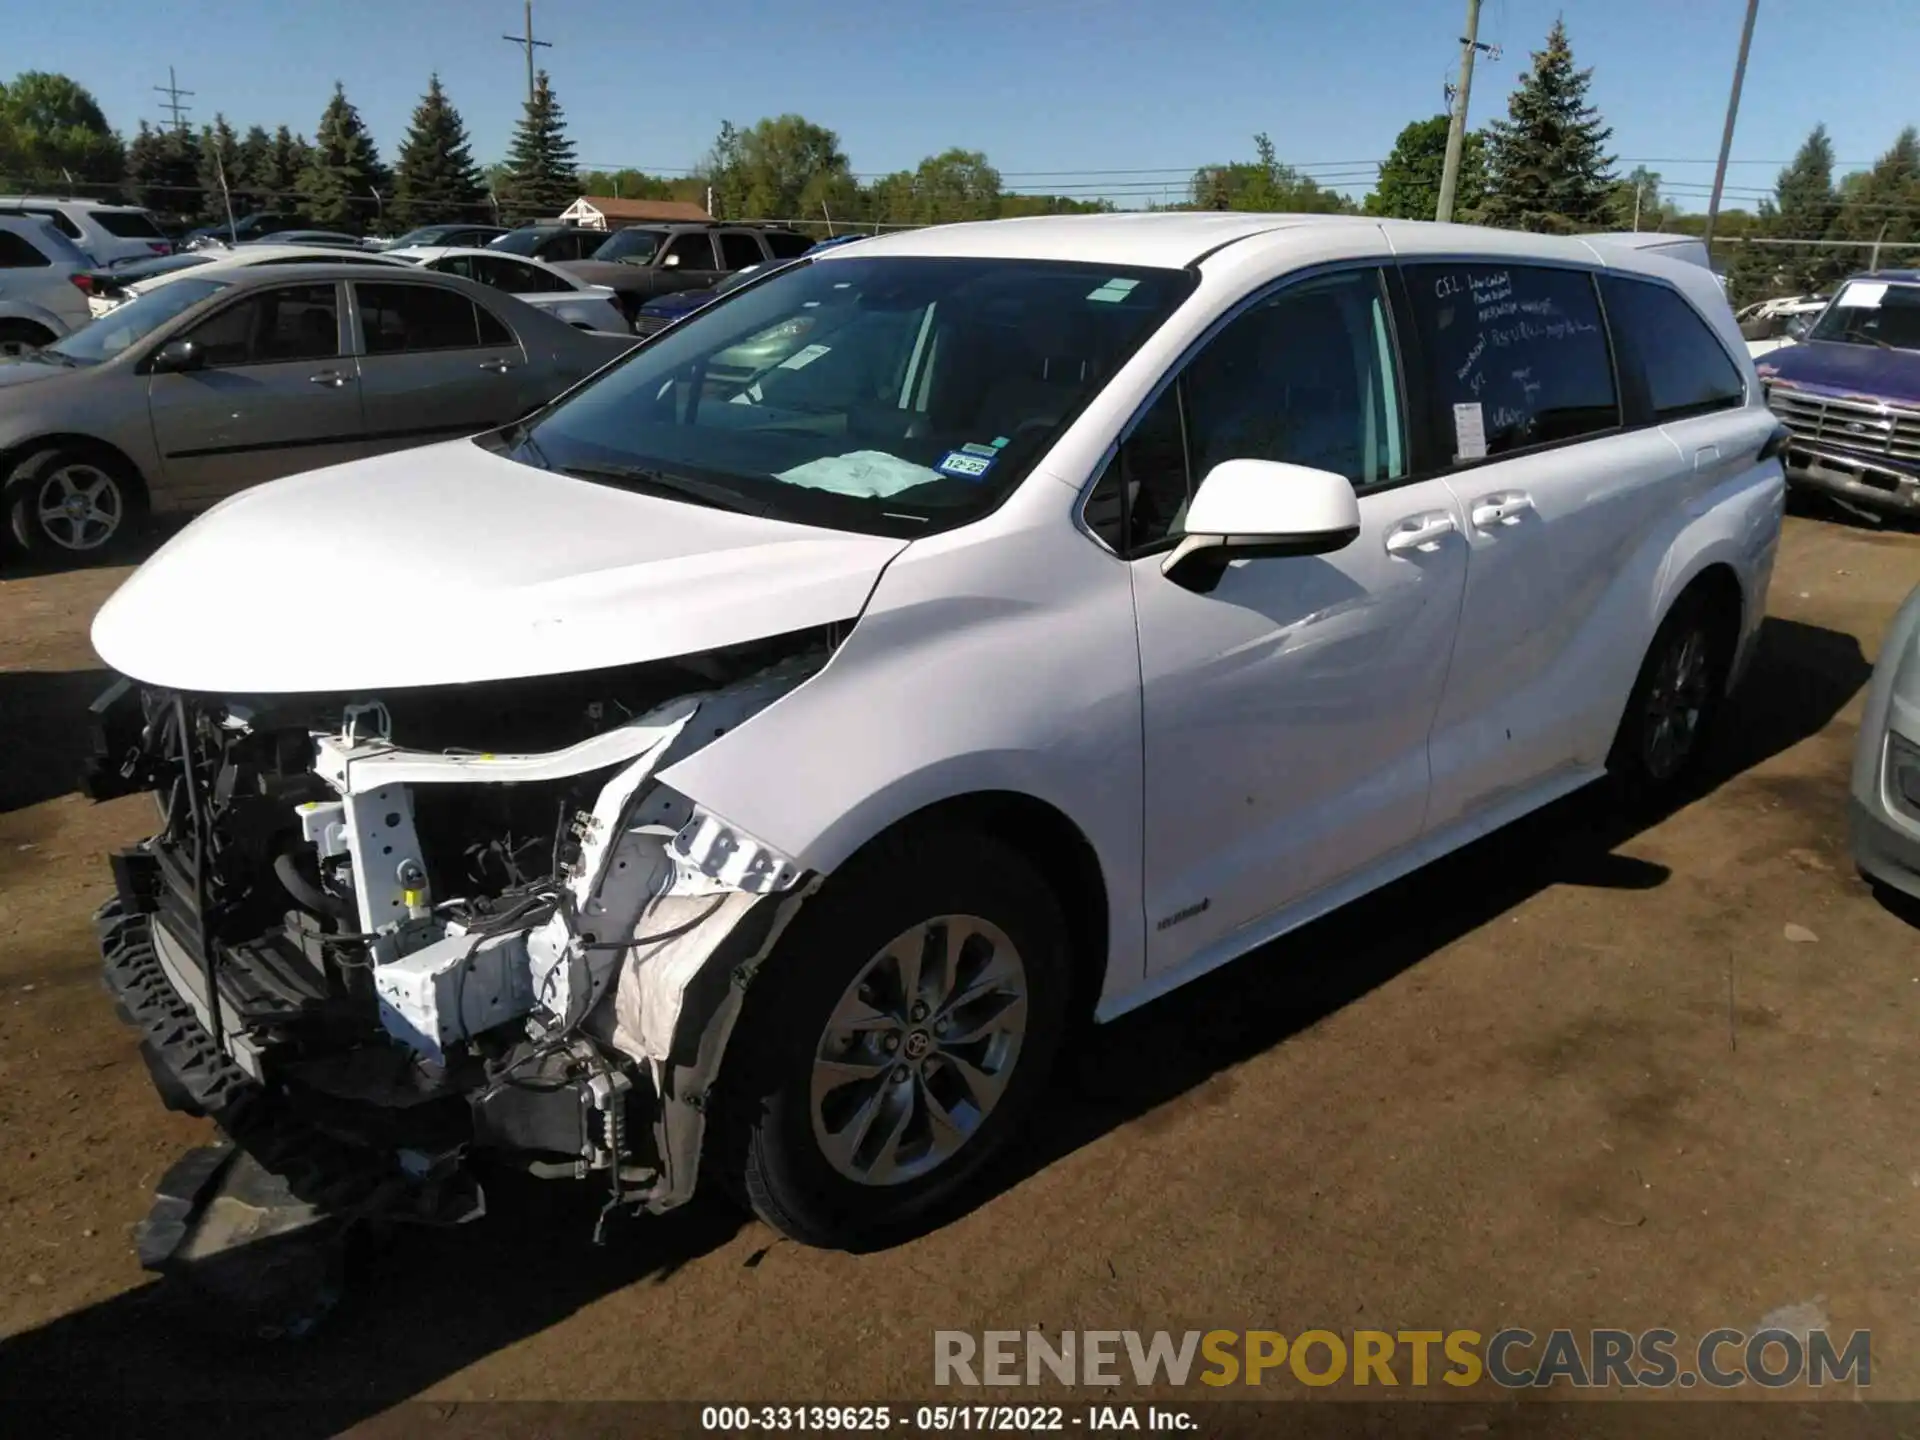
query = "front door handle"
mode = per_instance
[
  {"x": 1506, "y": 508},
  {"x": 498, "y": 367},
  {"x": 1419, "y": 532},
  {"x": 1706, "y": 457},
  {"x": 329, "y": 377}
]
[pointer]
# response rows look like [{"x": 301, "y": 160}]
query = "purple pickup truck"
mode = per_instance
[{"x": 1850, "y": 395}]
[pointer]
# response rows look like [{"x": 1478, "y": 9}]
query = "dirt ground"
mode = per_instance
[{"x": 1579, "y": 1075}]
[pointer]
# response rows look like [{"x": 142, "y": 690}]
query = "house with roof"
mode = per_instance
[{"x": 610, "y": 212}]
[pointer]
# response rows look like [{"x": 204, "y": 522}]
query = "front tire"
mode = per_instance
[
  {"x": 895, "y": 1041},
  {"x": 73, "y": 502}
]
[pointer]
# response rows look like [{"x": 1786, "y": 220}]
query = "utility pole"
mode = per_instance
[
  {"x": 173, "y": 92},
  {"x": 1457, "y": 126},
  {"x": 531, "y": 45},
  {"x": 1733, "y": 110},
  {"x": 1638, "y": 187}
]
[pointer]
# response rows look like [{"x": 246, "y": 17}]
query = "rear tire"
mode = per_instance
[
  {"x": 74, "y": 502},
  {"x": 1674, "y": 703},
  {"x": 894, "y": 1042}
]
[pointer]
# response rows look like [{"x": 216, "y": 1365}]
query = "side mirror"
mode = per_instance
[
  {"x": 178, "y": 356},
  {"x": 1260, "y": 509}
]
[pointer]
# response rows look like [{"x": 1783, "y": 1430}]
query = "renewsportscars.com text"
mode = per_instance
[{"x": 1514, "y": 1359}]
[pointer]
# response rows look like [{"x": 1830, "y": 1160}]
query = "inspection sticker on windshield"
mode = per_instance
[
  {"x": 963, "y": 466},
  {"x": 1113, "y": 290},
  {"x": 802, "y": 358},
  {"x": 1862, "y": 297}
]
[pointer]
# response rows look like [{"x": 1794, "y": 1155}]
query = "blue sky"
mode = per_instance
[{"x": 1082, "y": 88}]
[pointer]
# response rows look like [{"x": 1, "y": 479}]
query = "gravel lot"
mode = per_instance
[{"x": 1578, "y": 1075}]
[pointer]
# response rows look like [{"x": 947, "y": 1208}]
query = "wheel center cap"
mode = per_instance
[
  {"x": 919, "y": 1042},
  {"x": 76, "y": 506}
]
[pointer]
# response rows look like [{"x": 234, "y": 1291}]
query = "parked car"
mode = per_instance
[
  {"x": 543, "y": 286},
  {"x": 247, "y": 227},
  {"x": 106, "y": 234},
  {"x": 105, "y": 296},
  {"x": 553, "y": 241},
  {"x": 1884, "y": 812},
  {"x": 41, "y": 297},
  {"x": 461, "y": 235},
  {"x": 331, "y": 239},
  {"x": 644, "y": 261},
  {"x": 1777, "y": 326},
  {"x": 109, "y": 289},
  {"x": 1850, "y": 393},
  {"x": 663, "y": 310},
  {"x": 1061, "y": 608},
  {"x": 230, "y": 375}
]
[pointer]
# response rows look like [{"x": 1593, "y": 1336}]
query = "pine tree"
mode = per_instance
[
  {"x": 219, "y": 157},
  {"x": 163, "y": 171},
  {"x": 1546, "y": 165},
  {"x": 1881, "y": 205},
  {"x": 1806, "y": 207},
  {"x": 254, "y": 178},
  {"x": 344, "y": 169},
  {"x": 436, "y": 178},
  {"x": 543, "y": 176}
]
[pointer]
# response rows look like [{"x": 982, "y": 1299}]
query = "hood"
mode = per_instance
[
  {"x": 680, "y": 302},
  {"x": 450, "y": 564},
  {"x": 1864, "y": 372},
  {"x": 33, "y": 372}
]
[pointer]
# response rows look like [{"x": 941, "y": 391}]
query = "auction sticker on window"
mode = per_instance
[
  {"x": 1862, "y": 297},
  {"x": 802, "y": 358},
  {"x": 963, "y": 466},
  {"x": 1469, "y": 431}
]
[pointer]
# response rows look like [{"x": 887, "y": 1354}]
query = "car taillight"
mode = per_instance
[
  {"x": 82, "y": 283},
  {"x": 160, "y": 247}
]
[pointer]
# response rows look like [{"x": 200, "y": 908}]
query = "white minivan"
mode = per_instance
[{"x": 753, "y": 762}]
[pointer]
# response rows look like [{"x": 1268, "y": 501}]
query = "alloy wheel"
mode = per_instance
[
  {"x": 1676, "y": 703},
  {"x": 79, "y": 507},
  {"x": 919, "y": 1049}
]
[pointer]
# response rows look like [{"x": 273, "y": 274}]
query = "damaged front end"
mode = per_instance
[{"x": 377, "y": 937}]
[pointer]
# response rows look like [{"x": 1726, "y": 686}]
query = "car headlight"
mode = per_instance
[{"x": 1903, "y": 773}]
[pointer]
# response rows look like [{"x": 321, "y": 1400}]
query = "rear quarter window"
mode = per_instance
[
  {"x": 1514, "y": 356},
  {"x": 128, "y": 224},
  {"x": 1688, "y": 371}
]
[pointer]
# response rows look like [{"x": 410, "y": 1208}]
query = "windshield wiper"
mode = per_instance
[
  {"x": 53, "y": 357},
  {"x": 660, "y": 482}
]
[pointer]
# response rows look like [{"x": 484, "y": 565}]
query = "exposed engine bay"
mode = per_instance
[{"x": 431, "y": 923}]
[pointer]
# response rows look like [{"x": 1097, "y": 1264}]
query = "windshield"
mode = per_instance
[
  {"x": 1872, "y": 312},
  {"x": 521, "y": 242},
  {"x": 425, "y": 235},
  {"x": 895, "y": 396},
  {"x": 636, "y": 247},
  {"x": 133, "y": 321},
  {"x": 736, "y": 280}
]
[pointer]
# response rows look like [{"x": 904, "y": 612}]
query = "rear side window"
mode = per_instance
[
  {"x": 785, "y": 245},
  {"x": 18, "y": 253},
  {"x": 1515, "y": 356},
  {"x": 128, "y": 224},
  {"x": 1688, "y": 371},
  {"x": 400, "y": 319}
]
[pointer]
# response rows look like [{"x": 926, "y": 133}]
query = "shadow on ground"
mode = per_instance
[
  {"x": 43, "y": 715},
  {"x": 441, "y": 1301},
  {"x": 153, "y": 534}
]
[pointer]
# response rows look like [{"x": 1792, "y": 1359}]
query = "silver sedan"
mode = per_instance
[
  {"x": 214, "y": 382},
  {"x": 1884, "y": 813}
]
